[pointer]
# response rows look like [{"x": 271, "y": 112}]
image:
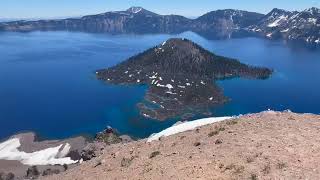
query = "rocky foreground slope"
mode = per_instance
[{"x": 268, "y": 145}]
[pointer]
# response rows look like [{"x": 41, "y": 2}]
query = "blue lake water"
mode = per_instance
[{"x": 48, "y": 84}]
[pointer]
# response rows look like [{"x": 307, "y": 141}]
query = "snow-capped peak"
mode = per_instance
[
  {"x": 135, "y": 10},
  {"x": 312, "y": 10}
]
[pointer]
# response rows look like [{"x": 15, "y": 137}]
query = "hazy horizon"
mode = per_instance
[{"x": 35, "y": 9}]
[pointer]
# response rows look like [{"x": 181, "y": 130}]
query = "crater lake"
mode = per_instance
[{"x": 48, "y": 83}]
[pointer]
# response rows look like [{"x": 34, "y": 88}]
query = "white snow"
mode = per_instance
[
  {"x": 317, "y": 41},
  {"x": 203, "y": 83},
  {"x": 164, "y": 43},
  {"x": 278, "y": 21},
  {"x": 126, "y": 72},
  {"x": 269, "y": 35},
  {"x": 50, "y": 156},
  {"x": 153, "y": 77},
  {"x": 146, "y": 115},
  {"x": 169, "y": 92},
  {"x": 186, "y": 127},
  {"x": 169, "y": 86},
  {"x": 286, "y": 30},
  {"x": 138, "y": 80},
  {"x": 188, "y": 84},
  {"x": 312, "y": 20},
  {"x": 183, "y": 87},
  {"x": 136, "y": 10},
  {"x": 160, "y": 85},
  {"x": 211, "y": 98}
]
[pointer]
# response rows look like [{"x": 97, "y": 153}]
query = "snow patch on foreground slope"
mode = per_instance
[
  {"x": 186, "y": 127},
  {"x": 50, "y": 156}
]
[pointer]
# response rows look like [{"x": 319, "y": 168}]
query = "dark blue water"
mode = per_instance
[{"x": 48, "y": 85}]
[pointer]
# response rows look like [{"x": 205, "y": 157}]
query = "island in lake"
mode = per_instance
[{"x": 181, "y": 77}]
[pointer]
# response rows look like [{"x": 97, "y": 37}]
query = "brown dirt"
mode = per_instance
[{"x": 268, "y": 145}]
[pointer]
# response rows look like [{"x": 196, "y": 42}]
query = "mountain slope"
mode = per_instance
[
  {"x": 268, "y": 145},
  {"x": 133, "y": 20},
  {"x": 292, "y": 26},
  {"x": 180, "y": 77},
  {"x": 228, "y": 19}
]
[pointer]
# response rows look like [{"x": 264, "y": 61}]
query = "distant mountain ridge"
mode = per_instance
[{"x": 301, "y": 26}]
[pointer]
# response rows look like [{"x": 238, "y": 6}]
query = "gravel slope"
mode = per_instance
[{"x": 268, "y": 145}]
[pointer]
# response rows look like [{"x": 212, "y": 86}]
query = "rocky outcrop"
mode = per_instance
[
  {"x": 32, "y": 173},
  {"x": 180, "y": 75},
  {"x": 6, "y": 176},
  {"x": 102, "y": 139}
]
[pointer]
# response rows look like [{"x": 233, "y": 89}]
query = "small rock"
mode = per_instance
[
  {"x": 218, "y": 141},
  {"x": 98, "y": 164},
  {"x": 126, "y": 162},
  {"x": 65, "y": 167},
  {"x": 49, "y": 171},
  {"x": 32, "y": 173},
  {"x": 154, "y": 154},
  {"x": 74, "y": 155}
]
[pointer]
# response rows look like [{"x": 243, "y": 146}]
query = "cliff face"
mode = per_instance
[
  {"x": 268, "y": 145},
  {"x": 180, "y": 75}
]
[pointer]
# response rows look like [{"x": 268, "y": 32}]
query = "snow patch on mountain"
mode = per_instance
[
  {"x": 9, "y": 150},
  {"x": 278, "y": 21}
]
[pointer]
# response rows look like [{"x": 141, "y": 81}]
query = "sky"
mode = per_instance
[{"x": 188, "y": 8}]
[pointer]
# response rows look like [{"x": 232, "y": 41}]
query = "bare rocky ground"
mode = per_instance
[{"x": 268, "y": 145}]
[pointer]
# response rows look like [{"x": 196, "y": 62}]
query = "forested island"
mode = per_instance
[{"x": 181, "y": 77}]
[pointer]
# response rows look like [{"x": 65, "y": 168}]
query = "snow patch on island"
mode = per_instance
[
  {"x": 50, "y": 156},
  {"x": 186, "y": 127}
]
